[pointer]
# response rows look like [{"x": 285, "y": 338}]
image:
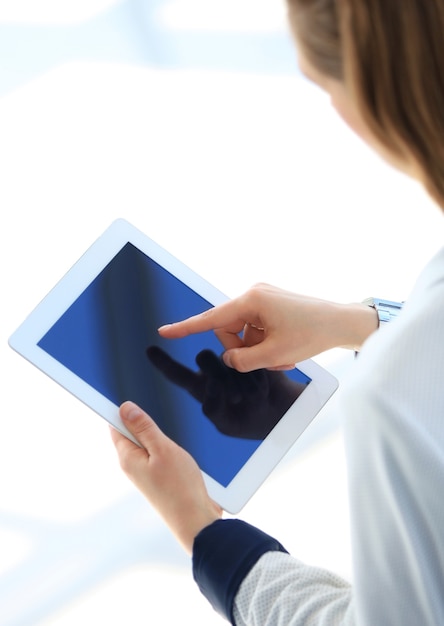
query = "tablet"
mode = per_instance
[{"x": 96, "y": 335}]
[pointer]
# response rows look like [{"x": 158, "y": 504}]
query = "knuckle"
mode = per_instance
[
  {"x": 256, "y": 293},
  {"x": 255, "y": 290},
  {"x": 146, "y": 431},
  {"x": 238, "y": 362},
  {"x": 259, "y": 288}
]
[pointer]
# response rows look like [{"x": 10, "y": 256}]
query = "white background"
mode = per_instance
[{"x": 188, "y": 118}]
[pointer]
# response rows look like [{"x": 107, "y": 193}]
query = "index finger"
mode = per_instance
[
  {"x": 224, "y": 316},
  {"x": 175, "y": 371}
]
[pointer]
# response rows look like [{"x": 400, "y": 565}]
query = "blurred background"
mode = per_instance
[{"x": 190, "y": 119}]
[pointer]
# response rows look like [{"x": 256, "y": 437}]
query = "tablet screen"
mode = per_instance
[{"x": 108, "y": 337}]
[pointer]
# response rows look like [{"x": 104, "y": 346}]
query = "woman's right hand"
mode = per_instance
[{"x": 271, "y": 328}]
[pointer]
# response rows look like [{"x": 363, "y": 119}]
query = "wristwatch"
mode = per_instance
[{"x": 387, "y": 310}]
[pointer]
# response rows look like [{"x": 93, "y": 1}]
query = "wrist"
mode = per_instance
[
  {"x": 190, "y": 528},
  {"x": 360, "y": 321}
]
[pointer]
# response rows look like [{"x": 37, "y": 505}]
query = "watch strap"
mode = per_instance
[{"x": 387, "y": 310}]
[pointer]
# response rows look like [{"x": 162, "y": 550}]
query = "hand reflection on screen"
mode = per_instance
[{"x": 245, "y": 405}]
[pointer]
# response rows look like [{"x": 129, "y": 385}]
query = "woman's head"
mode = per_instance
[{"x": 382, "y": 61}]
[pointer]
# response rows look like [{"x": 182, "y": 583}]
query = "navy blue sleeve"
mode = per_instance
[{"x": 223, "y": 554}]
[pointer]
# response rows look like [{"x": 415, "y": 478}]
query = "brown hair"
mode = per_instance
[{"x": 390, "y": 55}]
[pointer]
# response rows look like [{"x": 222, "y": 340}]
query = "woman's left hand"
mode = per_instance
[{"x": 166, "y": 475}]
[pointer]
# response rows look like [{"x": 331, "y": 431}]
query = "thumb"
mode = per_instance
[
  {"x": 261, "y": 355},
  {"x": 142, "y": 426},
  {"x": 248, "y": 358}
]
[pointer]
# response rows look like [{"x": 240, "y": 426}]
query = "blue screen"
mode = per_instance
[{"x": 108, "y": 337}]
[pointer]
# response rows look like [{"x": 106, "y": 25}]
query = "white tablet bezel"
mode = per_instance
[{"x": 25, "y": 341}]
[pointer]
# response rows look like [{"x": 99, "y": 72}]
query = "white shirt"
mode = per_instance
[{"x": 393, "y": 411}]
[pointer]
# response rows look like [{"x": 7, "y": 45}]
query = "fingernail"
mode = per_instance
[
  {"x": 132, "y": 411},
  {"x": 164, "y": 326}
]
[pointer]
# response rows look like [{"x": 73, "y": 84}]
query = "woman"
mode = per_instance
[{"x": 382, "y": 63}]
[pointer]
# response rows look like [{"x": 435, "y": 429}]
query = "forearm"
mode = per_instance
[
  {"x": 282, "y": 591},
  {"x": 223, "y": 554},
  {"x": 249, "y": 578}
]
